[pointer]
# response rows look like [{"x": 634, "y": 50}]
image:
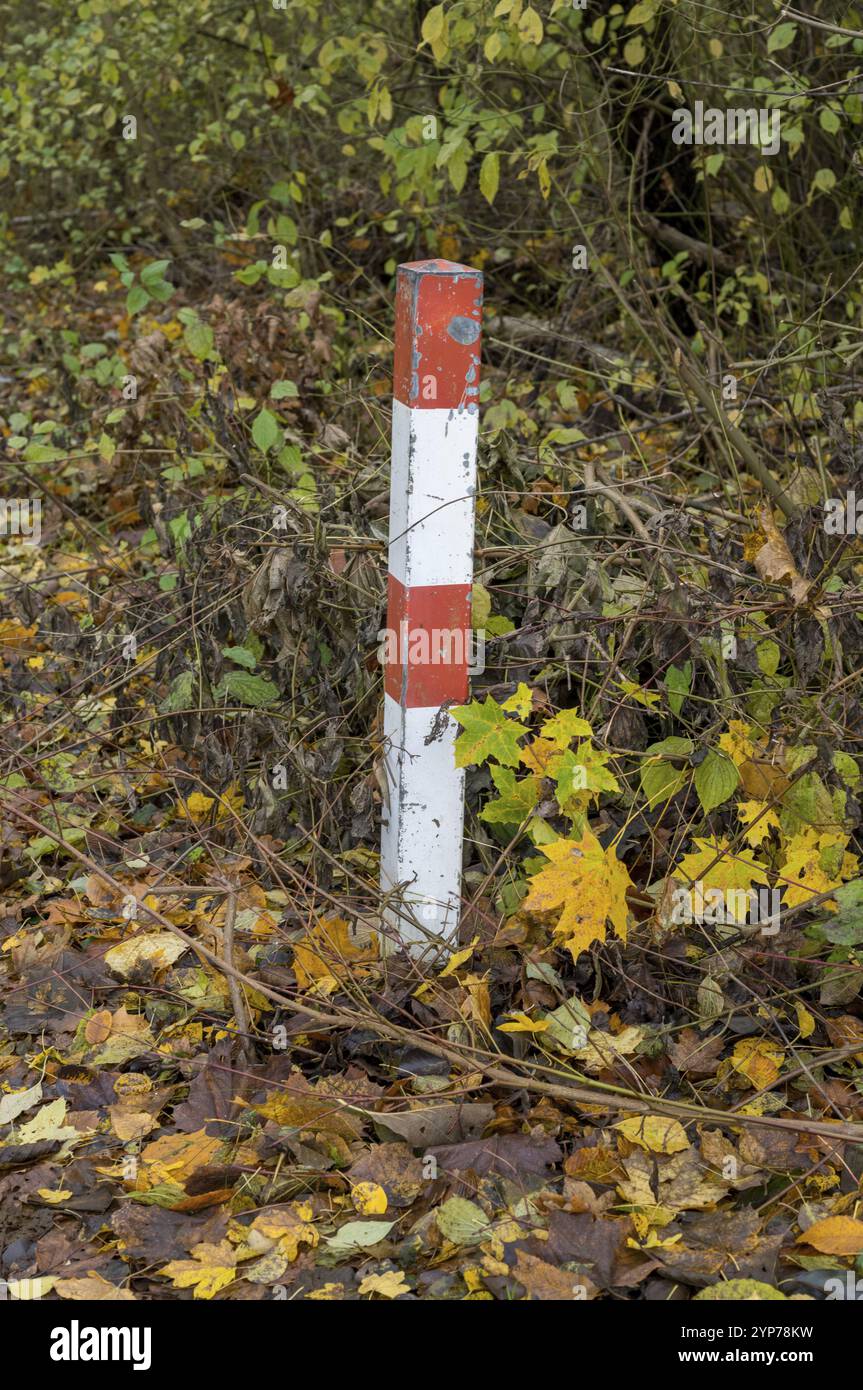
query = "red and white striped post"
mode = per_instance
[{"x": 432, "y": 499}]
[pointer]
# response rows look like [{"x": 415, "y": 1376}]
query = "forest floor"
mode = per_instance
[{"x": 622, "y": 1083}]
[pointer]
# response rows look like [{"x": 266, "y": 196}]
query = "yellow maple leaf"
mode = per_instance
[
  {"x": 284, "y": 1229},
  {"x": 212, "y": 1268},
  {"x": 738, "y": 742},
  {"x": 759, "y": 1060},
  {"x": 562, "y": 728},
  {"x": 588, "y": 883},
  {"x": 803, "y": 872},
  {"x": 765, "y": 820},
  {"x": 541, "y": 756},
  {"x": 389, "y": 1285},
  {"x": 329, "y": 950},
  {"x": 733, "y": 873},
  {"x": 521, "y": 703}
]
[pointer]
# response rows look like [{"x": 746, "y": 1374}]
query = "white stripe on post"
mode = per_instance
[{"x": 432, "y": 496}]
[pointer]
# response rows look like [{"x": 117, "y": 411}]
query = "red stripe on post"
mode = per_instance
[
  {"x": 427, "y": 644},
  {"x": 438, "y": 312}
]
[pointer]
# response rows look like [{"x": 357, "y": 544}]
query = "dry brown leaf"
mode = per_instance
[
  {"x": 768, "y": 551},
  {"x": 174, "y": 1157},
  {"x": 93, "y": 1289},
  {"x": 550, "y": 1284},
  {"x": 329, "y": 951},
  {"x": 130, "y": 1125},
  {"x": 98, "y": 1028}
]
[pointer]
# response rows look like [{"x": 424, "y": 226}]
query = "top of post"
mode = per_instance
[
  {"x": 439, "y": 267},
  {"x": 437, "y": 340}
]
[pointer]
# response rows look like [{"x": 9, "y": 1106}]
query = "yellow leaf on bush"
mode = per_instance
[
  {"x": 562, "y": 728},
  {"x": 588, "y": 883},
  {"x": 530, "y": 26},
  {"x": 521, "y": 703},
  {"x": 541, "y": 755}
]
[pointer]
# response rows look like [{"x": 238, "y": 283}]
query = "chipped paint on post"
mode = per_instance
[{"x": 432, "y": 496}]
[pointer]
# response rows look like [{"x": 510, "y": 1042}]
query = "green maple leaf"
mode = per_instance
[
  {"x": 488, "y": 733},
  {"x": 516, "y": 801},
  {"x": 581, "y": 772},
  {"x": 563, "y": 727}
]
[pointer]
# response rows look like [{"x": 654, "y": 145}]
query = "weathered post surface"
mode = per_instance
[{"x": 428, "y": 636}]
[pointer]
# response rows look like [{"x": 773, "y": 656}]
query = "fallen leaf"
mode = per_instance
[
  {"x": 655, "y": 1133},
  {"x": 283, "y": 1229},
  {"x": 47, "y": 1124},
  {"x": 547, "y": 1283},
  {"x": 157, "y": 951},
  {"x": 834, "y": 1235},
  {"x": 16, "y": 1102},
  {"x": 329, "y": 949},
  {"x": 390, "y": 1285},
  {"x": 174, "y": 1157},
  {"x": 759, "y": 1060},
  {"x": 359, "y": 1235},
  {"x": 93, "y": 1289},
  {"x": 746, "y": 1290},
  {"x": 767, "y": 549},
  {"x": 369, "y": 1199},
  {"x": 212, "y": 1268}
]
